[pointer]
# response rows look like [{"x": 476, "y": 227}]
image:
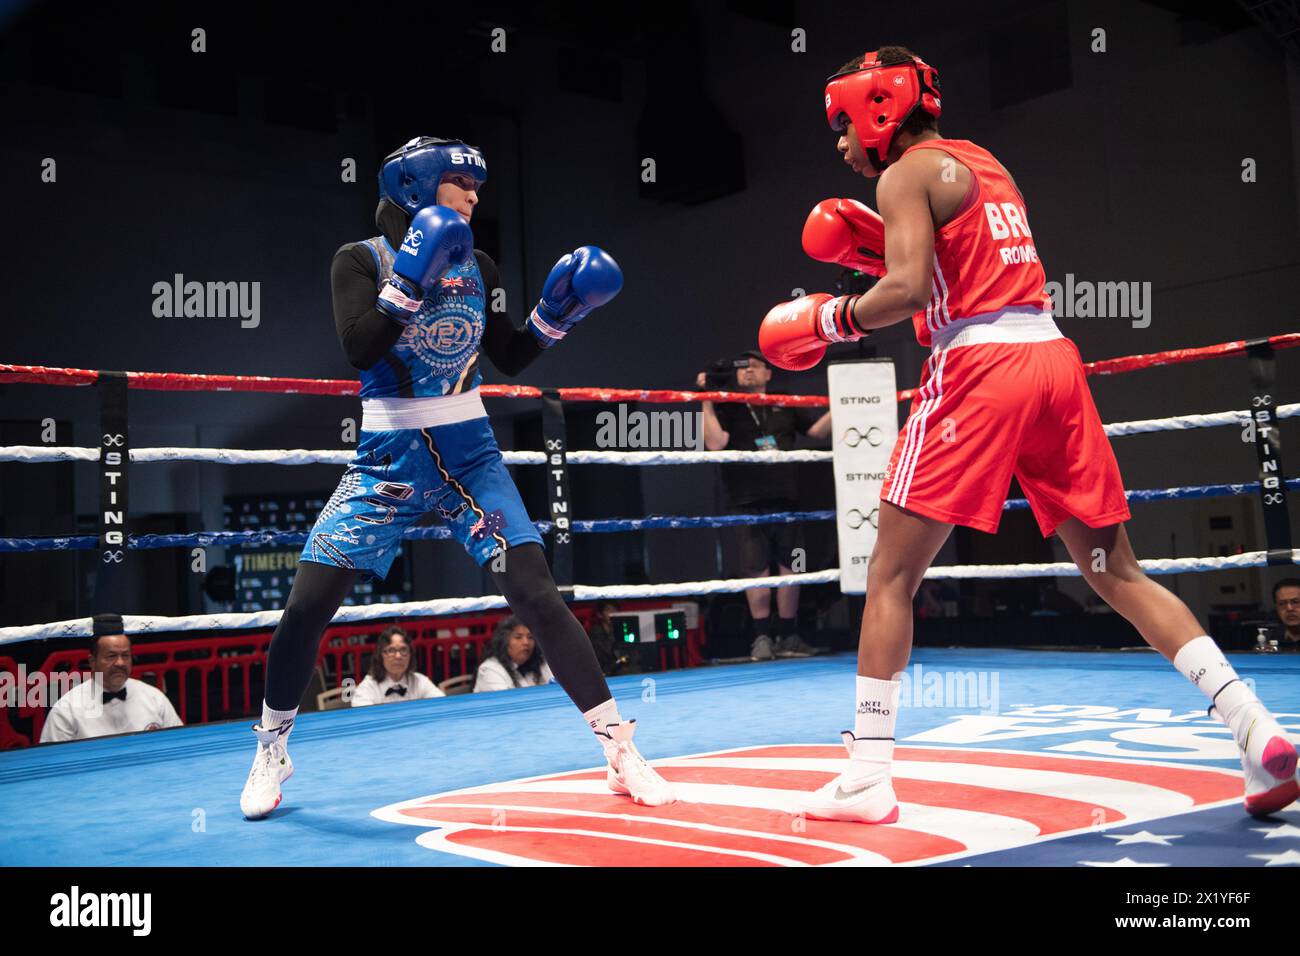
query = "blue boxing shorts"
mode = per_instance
[{"x": 399, "y": 475}]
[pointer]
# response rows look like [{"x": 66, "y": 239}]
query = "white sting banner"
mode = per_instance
[{"x": 864, "y": 420}]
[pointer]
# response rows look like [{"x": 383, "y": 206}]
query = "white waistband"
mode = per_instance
[
  {"x": 1017, "y": 323},
  {"x": 392, "y": 414}
]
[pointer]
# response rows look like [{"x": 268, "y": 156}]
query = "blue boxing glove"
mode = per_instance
[
  {"x": 582, "y": 280},
  {"x": 437, "y": 240}
]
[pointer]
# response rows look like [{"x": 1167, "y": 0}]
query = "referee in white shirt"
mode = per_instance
[
  {"x": 113, "y": 702},
  {"x": 393, "y": 676}
]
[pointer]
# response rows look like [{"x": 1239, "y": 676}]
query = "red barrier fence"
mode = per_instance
[{"x": 9, "y": 737}]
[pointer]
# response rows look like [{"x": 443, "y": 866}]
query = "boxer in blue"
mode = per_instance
[{"x": 411, "y": 311}]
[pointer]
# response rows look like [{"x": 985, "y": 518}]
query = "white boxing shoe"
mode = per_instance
[
  {"x": 629, "y": 773},
  {"x": 1268, "y": 759},
  {"x": 271, "y": 767},
  {"x": 852, "y": 796}
]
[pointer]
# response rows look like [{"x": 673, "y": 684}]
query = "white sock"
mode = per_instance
[
  {"x": 1202, "y": 663},
  {"x": 876, "y": 712},
  {"x": 278, "y": 718},
  {"x": 600, "y": 717}
]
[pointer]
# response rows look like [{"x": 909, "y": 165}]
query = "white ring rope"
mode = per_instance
[
  {"x": 1181, "y": 422},
  {"x": 141, "y": 624},
  {"x": 300, "y": 456}
]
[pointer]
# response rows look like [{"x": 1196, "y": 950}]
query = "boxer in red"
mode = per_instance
[{"x": 1003, "y": 393}]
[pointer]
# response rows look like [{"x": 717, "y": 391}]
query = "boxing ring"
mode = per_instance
[
  {"x": 438, "y": 782},
  {"x": 1010, "y": 757}
]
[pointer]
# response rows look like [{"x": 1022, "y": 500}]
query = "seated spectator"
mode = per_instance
[
  {"x": 393, "y": 676},
  {"x": 513, "y": 659},
  {"x": 113, "y": 702},
  {"x": 1286, "y": 598},
  {"x": 602, "y": 641}
]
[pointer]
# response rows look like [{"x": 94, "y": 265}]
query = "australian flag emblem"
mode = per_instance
[
  {"x": 490, "y": 523},
  {"x": 459, "y": 285}
]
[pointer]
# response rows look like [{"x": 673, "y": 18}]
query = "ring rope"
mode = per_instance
[
  {"x": 300, "y": 456},
  {"x": 141, "y": 624},
  {"x": 178, "y": 381},
  {"x": 231, "y": 539},
  {"x": 330, "y": 456}
]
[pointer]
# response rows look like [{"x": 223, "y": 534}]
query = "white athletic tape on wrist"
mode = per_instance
[
  {"x": 826, "y": 316},
  {"x": 547, "y": 330},
  {"x": 390, "y": 293}
]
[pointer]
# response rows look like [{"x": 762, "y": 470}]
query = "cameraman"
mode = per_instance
[{"x": 761, "y": 489}]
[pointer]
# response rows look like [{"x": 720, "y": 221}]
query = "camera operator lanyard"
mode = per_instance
[{"x": 765, "y": 442}]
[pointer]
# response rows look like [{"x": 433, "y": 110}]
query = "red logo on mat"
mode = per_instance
[{"x": 735, "y": 809}]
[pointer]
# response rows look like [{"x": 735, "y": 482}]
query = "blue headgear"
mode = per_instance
[{"x": 409, "y": 176}]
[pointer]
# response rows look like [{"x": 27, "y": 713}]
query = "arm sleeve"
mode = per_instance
[
  {"x": 365, "y": 333},
  {"x": 510, "y": 349}
]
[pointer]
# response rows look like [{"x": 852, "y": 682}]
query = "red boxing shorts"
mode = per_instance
[{"x": 988, "y": 409}]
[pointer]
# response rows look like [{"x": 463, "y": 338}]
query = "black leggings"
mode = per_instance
[
  {"x": 530, "y": 591},
  {"x": 318, "y": 590},
  {"x": 526, "y": 583}
]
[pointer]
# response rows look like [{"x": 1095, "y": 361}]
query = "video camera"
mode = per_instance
[{"x": 722, "y": 374}]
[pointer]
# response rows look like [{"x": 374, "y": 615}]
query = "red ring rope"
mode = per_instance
[{"x": 182, "y": 382}]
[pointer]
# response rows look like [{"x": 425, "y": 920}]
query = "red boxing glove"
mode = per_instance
[
  {"x": 847, "y": 232},
  {"x": 794, "y": 335}
]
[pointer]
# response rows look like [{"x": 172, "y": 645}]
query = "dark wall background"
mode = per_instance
[{"x": 227, "y": 166}]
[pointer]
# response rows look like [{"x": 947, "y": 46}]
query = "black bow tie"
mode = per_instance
[
  {"x": 120, "y": 695},
  {"x": 396, "y": 689}
]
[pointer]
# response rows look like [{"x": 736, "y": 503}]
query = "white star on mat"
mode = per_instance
[
  {"x": 1289, "y": 858},
  {"x": 1143, "y": 836},
  {"x": 1282, "y": 830},
  {"x": 1124, "y": 861}
]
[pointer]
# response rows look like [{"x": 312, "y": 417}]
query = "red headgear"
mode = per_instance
[{"x": 877, "y": 100}]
